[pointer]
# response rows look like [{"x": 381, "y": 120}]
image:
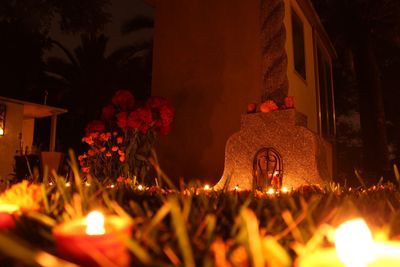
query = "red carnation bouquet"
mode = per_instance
[{"x": 120, "y": 144}]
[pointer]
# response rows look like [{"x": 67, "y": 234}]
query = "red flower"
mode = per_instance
[
  {"x": 122, "y": 119},
  {"x": 95, "y": 126},
  {"x": 164, "y": 113},
  {"x": 108, "y": 112},
  {"x": 124, "y": 99},
  {"x": 289, "y": 102},
  {"x": 140, "y": 119}
]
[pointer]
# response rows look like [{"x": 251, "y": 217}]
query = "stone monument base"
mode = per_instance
[{"x": 306, "y": 157}]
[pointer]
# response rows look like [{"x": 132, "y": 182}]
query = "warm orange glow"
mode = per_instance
[
  {"x": 354, "y": 243},
  {"x": 237, "y": 187},
  {"x": 207, "y": 187},
  {"x": 1, "y": 131},
  {"x": 140, "y": 187},
  {"x": 8, "y": 208},
  {"x": 284, "y": 189},
  {"x": 271, "y": 191},
  {"x": 67, "y": 184},
  {"x": 95, "y": 223}
]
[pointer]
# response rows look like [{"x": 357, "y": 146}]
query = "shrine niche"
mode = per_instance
[
  {"x": 274, "y": 150},
  {"x": 267, "y": 169}
]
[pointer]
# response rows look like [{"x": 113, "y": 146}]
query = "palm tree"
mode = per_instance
[
  {"x": 357, "y": 27},
  {"x": 87, "y": 78}
]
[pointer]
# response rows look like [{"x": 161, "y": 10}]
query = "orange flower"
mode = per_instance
[
  {"x": 121, "y": 153},
  {"x": 120, "y": 179},
  {"x": 108, "y": 154},
  {"x": 289, "y": 102},
  {"x": 91, "y": 152},
  {"x": 119, "y": 140},
  {"x": 251, "y": 107},
  {"x": 122, "y": 158},
  {"x": 102, "y": 149},
  {"x": 114, "y": 148},
  {"x": 268, "y": 106}
]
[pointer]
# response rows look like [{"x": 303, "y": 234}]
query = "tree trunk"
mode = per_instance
[{"x": 372, "y": 113}]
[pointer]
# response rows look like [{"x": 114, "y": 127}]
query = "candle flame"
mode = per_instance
[
  {"x": 207, "y": 187},
  {"x": 140, "y": 187},
  {"x": 271, "y": 191},
  {"x": 237, "y": 187},
  {"x": 8, "y": 208},
  {"x": 354, "y": 243},
  {"x": 284, "y": 189},
  {"x": 95, "y": 223}
]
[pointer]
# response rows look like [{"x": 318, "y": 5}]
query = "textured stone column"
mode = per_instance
[{"x": 274, "y": 58}]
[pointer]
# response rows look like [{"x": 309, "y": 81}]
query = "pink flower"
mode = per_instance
[
  {"x": 85, "y": 169},
  {"x": 124, "y": 99}
]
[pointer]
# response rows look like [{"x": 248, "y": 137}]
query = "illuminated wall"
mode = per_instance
[{"x": 9, "y": 143}]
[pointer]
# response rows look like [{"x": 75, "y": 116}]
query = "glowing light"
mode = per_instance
[
  {"x": 50, "y": 183},
  {"x": 1, "y": 131},
  {"x": 87, "y": 184},
  {"x": 271, "y": 191},
  {"x": 68, "y": 184},
  {"x": 8, "y": 208},
  {"x": 284, "y": 189},
  {"x": 112, "y": 185},
  {"x": 207, "y": 187},
  {"x": 95, "y": 223},
  {"x": 354, "y": 243},
  {"x": 237, "y": 187},
  {"x": 140, "y": 187}
]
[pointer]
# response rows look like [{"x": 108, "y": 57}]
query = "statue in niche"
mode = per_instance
[{"x": 267, "y": 169}]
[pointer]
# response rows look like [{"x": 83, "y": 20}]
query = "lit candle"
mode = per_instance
[
  {"x": 94, "y": 241},
  {"x": 284, "y": 190},
  {"x": 207, "y": 187},
  {"x": 354, "y": 247},
  {"x": 271, "y": 191},
  {"x": 7, "y": 212},
  {"x": 140, "y": 187}
]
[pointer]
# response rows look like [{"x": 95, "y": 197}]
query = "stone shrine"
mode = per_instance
[{"x": 303, "y": 153}]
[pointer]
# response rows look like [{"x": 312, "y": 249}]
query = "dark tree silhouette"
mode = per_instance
[
  {"x": 25, "y": 26},
  {"x": 86, "y": 80},
  {"x": 358, "y": 27}
]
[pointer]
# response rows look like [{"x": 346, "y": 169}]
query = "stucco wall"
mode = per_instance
[
  {"x": 304, "y": 91},
  {"x": 28, "y": 126},
  {"x": 207, "y": 61},
  {"x": 9, "y": 143}
]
